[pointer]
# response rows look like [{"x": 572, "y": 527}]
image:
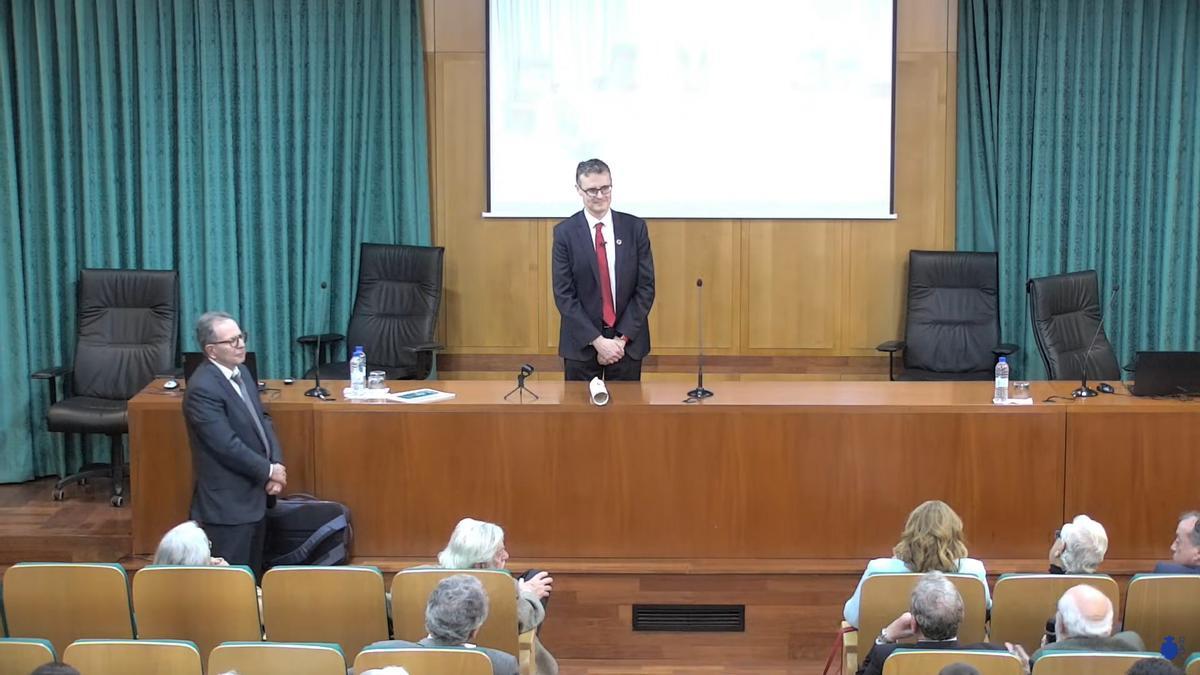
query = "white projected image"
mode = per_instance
[{"x": 703, "y": 109}]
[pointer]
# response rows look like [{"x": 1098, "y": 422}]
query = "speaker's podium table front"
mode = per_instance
[{"x": 770, "y": 471}]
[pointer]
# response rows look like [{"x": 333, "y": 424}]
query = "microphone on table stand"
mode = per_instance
[
  {"x": 318, "y": 391},
  {"x": 699, "y": 392},
  {"x": 1084, "y": 391}
]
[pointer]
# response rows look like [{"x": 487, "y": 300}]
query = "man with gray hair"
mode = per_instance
[
  {"x": 935, "y": 611},
  {"x": 1084, "y": 624},
  {"x": 1185, "y": 550},
  {"x": 237, "y": 462},
  {"x": 456, "y": 610}
]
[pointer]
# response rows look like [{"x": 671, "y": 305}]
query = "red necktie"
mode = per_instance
[{"x": 606, "y": 299}]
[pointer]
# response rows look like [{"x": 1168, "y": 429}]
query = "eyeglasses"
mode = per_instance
[
  {"x": 233, "y": 341},
  {"x": 596, "y": 192}
]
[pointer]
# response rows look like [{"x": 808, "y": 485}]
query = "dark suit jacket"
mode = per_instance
[
  {"x": 503, "y": 663},
  {"x": 873, "y": 663},
  {"x": 1175, "y": 568},
  {"x": 577, "y": 285},
  {"x": 229, "y": 463}
]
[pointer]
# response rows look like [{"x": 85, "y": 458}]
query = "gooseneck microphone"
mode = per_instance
[
  {"x": 318, "y": 391},
  {"x": 699, "y": 392},
  {"x": 1084, "y": 391}
]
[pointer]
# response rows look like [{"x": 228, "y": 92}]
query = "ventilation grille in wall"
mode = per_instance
[{"x": 690, "y": 618}]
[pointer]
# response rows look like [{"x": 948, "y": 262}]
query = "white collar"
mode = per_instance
[
  {"x": 227, "y": 372},
  {"x": 592, "y": 220}
]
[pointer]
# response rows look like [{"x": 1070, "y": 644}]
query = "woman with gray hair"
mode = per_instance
[
  {"x": 1079, "y": 548},
  {"x": 476, "y": 544},
  {"x": 185, "y": 544}
]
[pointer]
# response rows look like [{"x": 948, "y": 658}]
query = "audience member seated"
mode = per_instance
[
  {"x": 185, "y": 544},
  {"x": 959, "y": 669},
  {"x": 1084, "y": 624},
  {"x": 390, "y": 670},
  {"x": 932, "y": 541},
  {"x": 1185, "y": 550},
  {"x": 54, "y": 668},
  {"x": 1080, "y": 547},
  {"x": 456, "y": 610},
  {"x": 1153, "y": 667},
  {"x": 935, "y": 611},
  {"x": 475, "y": 544}
]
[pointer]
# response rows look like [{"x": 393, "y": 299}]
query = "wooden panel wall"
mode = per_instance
[{"x": 817, "y": 291}]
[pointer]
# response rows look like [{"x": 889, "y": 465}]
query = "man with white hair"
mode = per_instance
[
  {"x": 1084, "y": 624},
  {"x": 1185, "y": 550},
  {"x": 935, "y": 612},
  {"x": 1079, "y": 548},
  {"x": 456, "y": 610}
]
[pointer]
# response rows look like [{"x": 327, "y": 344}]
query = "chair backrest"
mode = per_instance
[
  {"x": 65, "y": 602},
  {"x": 22, "y": 655},
  {"x": 953, "y": 320},
  {"x": 886, "y": 596},
  {"x": 1161, "y": 606},
  {"x": 410, "y": 595},
  {"x": 275, "y": 657},
  {"x": 396, "y": 305},
  {"x": 924, "y": 662},
  {"x": 134, "y": 657},
  {"x": 426, "y": 660},
  {"x": 1089, "y": 663},
  {"x": 1065, "y": 311},
  {"x": 128, "y": 330},
  {"x": 1193, "y": 664},
  {"x": 343, "y": 605},
  {"x": 1022, "y": 603},
  {"x": 206, "y": 605}
]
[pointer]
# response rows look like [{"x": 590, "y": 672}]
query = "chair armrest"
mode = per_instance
[
  {"x": 525, "y": 652},
  {"x": 1005, "y": 349},
  {"x": 326, "y": 339},
  {"x": 849, "y": 648},
  {"x": 52, "y": 373},
  {"x": 424, "y": 347},
  {"x": 891, "y": 346}
]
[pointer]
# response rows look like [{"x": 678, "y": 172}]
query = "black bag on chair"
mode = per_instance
[{"x": 304, "y": 530}]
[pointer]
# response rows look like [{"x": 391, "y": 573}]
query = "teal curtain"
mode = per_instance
[
  {"x": 250, "y": 144},
  {"x": 1079, "y": 148}
]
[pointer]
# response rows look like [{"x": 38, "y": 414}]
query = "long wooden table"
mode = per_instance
[{"x": 764, "y": 471}]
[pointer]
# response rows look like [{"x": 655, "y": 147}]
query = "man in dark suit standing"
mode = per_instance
[
  {"x": 236, "y": 458},
  {"x": 603, "y": 283}
]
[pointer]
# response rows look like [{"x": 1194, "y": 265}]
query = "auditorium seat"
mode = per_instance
[
  {"x": 134, "y": 657},
  {"x": 1162, "y": 605},
  {"x": 926, "y": 662},
  {"x": 886, "y": 596},
  {"x": 410, "y": 595},
  {"x": 22, "y": 655},
  {"x": 1089, "y": 663},
  {"x": 64, "y": 602},
  {"x": 1022, "y": 603},
  {"x": 206, "y": 605},
  {"x": 250, "y": 658},
  {"x": 343, "y": 605},
  {"x": 1193, "y": 664},
  {"x": 421, "y": 660}
]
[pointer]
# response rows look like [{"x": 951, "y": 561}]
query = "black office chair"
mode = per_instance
[
  {"x": 395, "y": 313},
  {"x": 128, "y": 326},
  {"x": 1066, "y": 313},
  {"x": 952, "y": 330}
]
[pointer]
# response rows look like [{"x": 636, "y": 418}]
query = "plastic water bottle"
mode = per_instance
[
  {"x": 358, "y": 371},
  {"x": 1001, "y": 380}
]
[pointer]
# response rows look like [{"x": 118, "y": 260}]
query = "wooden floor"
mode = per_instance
[{"x": 791, "y": 618}]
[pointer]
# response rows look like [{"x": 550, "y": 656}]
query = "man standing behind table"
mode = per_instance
[
  {"x": 603, "y": 276},
  {"x": 236, "y": 458}
]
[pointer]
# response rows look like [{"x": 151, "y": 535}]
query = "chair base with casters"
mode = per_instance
[
  {"x": 109, "y": 417},
  {"x": 115, "y": 470}
]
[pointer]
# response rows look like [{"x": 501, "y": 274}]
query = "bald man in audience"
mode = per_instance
[
  {"x": 1084, "y": 624},
  {"x": 1185, "y": 550}
]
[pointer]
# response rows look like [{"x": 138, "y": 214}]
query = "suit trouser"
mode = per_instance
[{"x": 239, "y": 544}]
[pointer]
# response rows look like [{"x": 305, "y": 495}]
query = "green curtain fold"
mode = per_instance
[
  {"x": 250, "y": 144},
  {"x": 1078, "y": 132}
]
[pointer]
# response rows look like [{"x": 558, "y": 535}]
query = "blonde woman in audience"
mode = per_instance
[
  {"x": 185, "y": 544},
  {"x": 476, "y": 544},
  {"x": 932, "y": 541}
]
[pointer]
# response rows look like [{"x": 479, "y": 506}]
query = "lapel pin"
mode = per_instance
[{"x": 618, "y": 242}]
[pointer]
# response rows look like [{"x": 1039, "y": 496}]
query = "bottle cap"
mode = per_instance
[
  {"x": 1001, "y": 358},
  {"x": 358, "y": 348}
]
